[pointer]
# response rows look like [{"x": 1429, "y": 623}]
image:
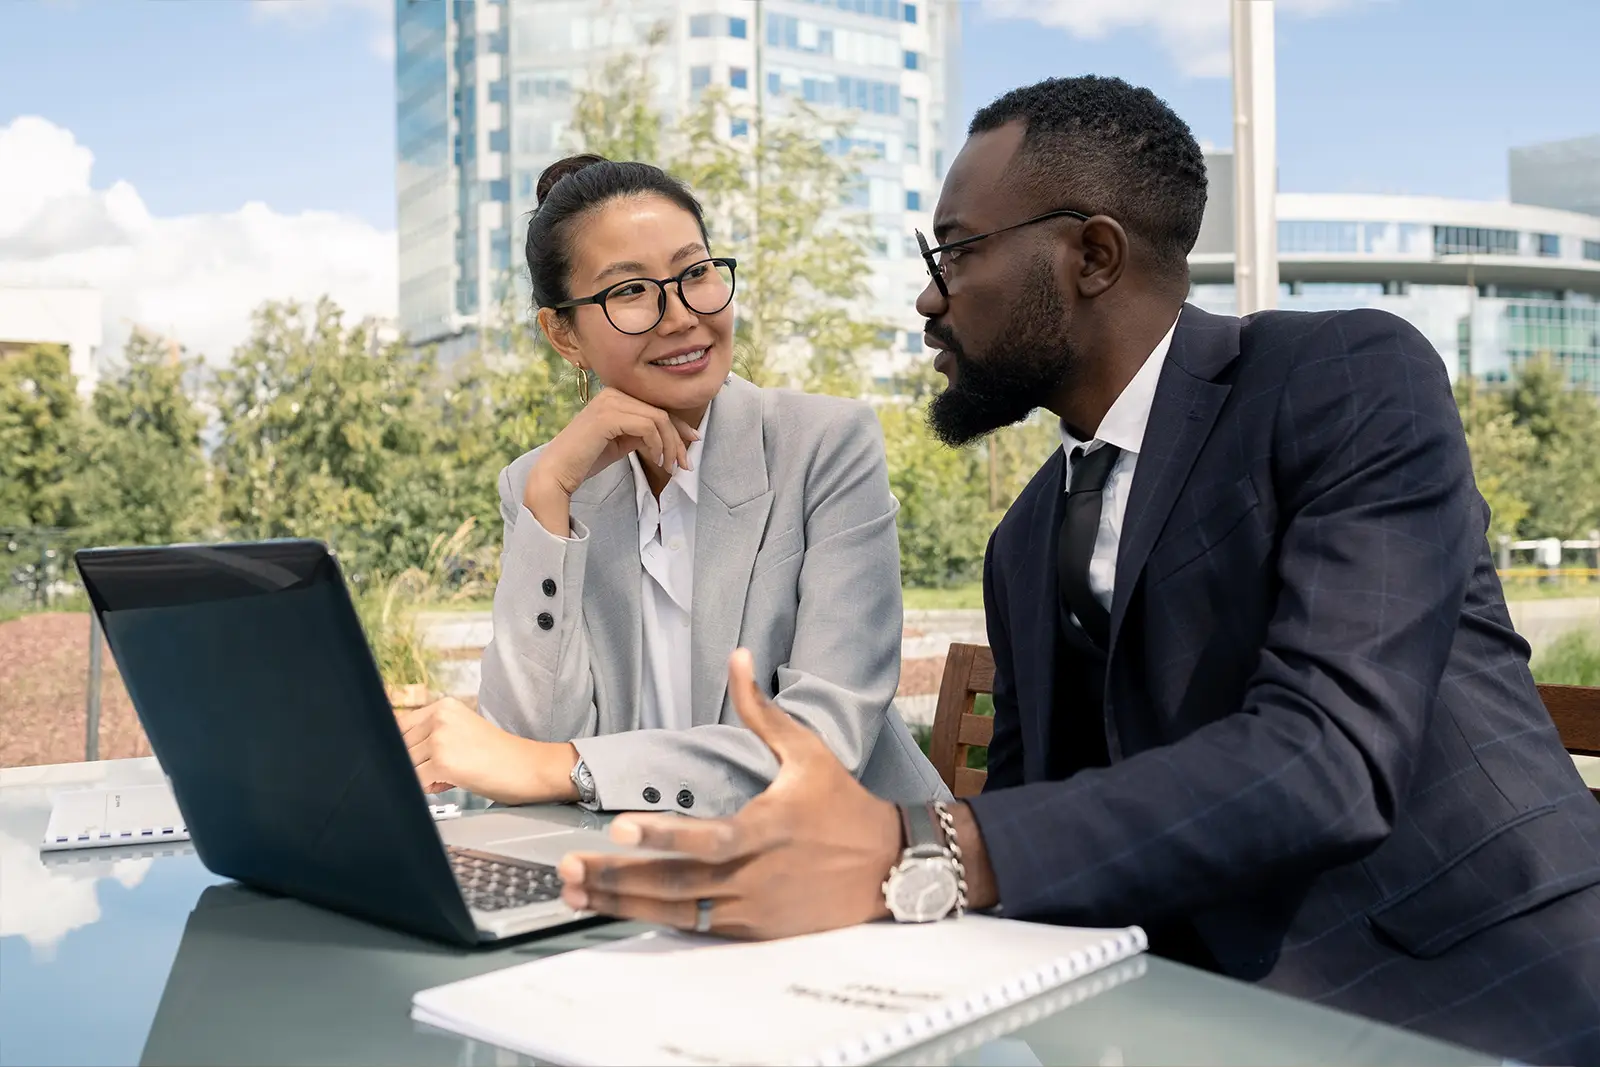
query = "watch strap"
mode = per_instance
[
  {"x": 921, "y": 827},
  {"x": 947, "y": 827}
]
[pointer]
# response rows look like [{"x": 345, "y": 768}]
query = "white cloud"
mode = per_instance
[
  {"x": 196, "y": 278},
  {"x": 1193, "y": 32},
  {"x": 312, "y": 13}
]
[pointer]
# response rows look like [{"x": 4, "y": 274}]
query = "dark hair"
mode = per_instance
[
  {"x": 1119, "y": 148},
  {"x": 573, "y": 187}
]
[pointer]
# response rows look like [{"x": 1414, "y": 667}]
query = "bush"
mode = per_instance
[{"x": 1571, "y": 659}]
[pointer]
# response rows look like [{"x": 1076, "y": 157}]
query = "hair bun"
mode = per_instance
[{"x": 560, "y": 169}]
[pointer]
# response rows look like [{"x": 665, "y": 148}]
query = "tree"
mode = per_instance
[
  {"x": 1501, "y": 450},
  {"x": 146, "y": 479},
  {"x": 41, "y": 438},
  {"x": 944, "y": 523},
  {"x": 327, "y": 432},
  {"x": 1564, "y": 469}
]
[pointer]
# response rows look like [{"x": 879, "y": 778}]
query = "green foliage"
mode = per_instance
[
  {"x": 328, "y": 432},
  {"x": 41, "y": 434},
  {"x": 1562, "y": 474},
  {"x": 944, "y": 525},
  {"x": 145, "y": 478},
  {"x": 1571, "y": 659}
]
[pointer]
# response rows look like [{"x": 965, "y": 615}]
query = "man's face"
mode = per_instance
[{"x": 1002, "y": 336}]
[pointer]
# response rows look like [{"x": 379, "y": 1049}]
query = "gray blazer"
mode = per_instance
[{"x": 795, "y": 558}]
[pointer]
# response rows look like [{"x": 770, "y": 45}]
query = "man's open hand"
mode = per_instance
[{"x": 809, "y": 853}]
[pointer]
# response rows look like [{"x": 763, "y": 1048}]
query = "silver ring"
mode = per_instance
[{"x": 702, "y": 915}]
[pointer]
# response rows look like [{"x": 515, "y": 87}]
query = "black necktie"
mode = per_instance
[{"x": 1079, "y": 528}]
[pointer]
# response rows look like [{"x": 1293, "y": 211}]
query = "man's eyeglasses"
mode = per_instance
[
  {"x": 936, "y": 265},
  {"x": 637, "y": 305}
]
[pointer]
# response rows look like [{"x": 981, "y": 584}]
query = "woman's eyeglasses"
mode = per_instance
[{"x": 638, "y": 305}]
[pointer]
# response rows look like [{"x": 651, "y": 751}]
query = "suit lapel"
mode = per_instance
[
  {"x": 730, "y": 518},
  {"x": 1043, "y": 622},
  {"x": 1187, "y": 403},
  {"x": 605, "y": 504}
]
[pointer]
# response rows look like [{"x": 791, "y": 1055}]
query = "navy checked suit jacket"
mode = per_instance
[{"x": 1327, "y": 749}]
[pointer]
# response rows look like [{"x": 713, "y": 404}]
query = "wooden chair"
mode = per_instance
[
  {"x": 968, "y": 671},
  {"x": 1575, "y": 709}
]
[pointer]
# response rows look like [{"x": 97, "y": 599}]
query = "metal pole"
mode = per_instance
[
  {"x": 1255, "y": 157},
  {"x": 91, "y": 741}
]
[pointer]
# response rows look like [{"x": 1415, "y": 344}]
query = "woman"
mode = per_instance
[{"x": 683, "y": 512}]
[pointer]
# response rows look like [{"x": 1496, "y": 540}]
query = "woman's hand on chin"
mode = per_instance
[{"x": 453, "y": 746}]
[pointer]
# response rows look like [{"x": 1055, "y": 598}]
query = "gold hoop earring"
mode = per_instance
[{"x": 583, "y": 386}]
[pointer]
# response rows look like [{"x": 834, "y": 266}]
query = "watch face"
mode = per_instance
[{"x": 922, "y": 890}]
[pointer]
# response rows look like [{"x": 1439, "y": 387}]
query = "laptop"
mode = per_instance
[{"x": 250, "y": 671}]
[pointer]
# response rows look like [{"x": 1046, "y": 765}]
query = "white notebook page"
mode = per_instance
[{"x": 847, "y": 996}]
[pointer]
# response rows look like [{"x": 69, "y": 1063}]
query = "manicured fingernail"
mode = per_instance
[
  {"x": 570, "y": 870},
  {"x": 625, "y": 833},
  {"x": 576, "y": 899}
]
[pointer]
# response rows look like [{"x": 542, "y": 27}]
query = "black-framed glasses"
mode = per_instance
[
  {"x": 637, "y": 305},
  {"x": 936, "y": 266}
]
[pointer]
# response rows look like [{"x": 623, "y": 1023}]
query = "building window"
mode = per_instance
[
  {"x": 912, "y": 60},
  {"x": 774, "y": 84},
  {"x": 500, "y": 92},
  {"x": 525, "y": 186},
  {"x": 738, "y": 28},
  {"x": 699, "y": 77},
  {"x": 909, "y": 13},
  {"x": 699, "y": 25},
  {"x": 499, "y": 140},
  {"x": 1591, "y": 250},
  {"x": 1467, "y": 240},
  {"x": 1546, "y": 244},
  {"x": 910, "y": 247},
  {"x": 500, "y": 190},
  {"x": 1319, "y": 237},
  {"x": 738, "y": 77},
  {"x": 913, "y": 200},
  {"x": 739, "y": 128},
  {"x": 913, "y": 341}
]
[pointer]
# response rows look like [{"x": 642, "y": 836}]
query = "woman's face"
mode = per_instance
[{"x": 679, "y": 364}]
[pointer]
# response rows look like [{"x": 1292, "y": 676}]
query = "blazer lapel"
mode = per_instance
[
  {"x": 730, "y": 518},
  {"x": 1187, "y": 403},
  {"x": 605, "y": 504}
]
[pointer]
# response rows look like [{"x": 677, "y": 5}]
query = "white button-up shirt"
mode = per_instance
[
  {"x": 666, "y": 552},
  {"x": 1124, "y": 427}
]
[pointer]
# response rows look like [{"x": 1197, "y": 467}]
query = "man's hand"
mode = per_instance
[
  {"x": 452, "y": 745},
  {"x": 809, "y": 853}
]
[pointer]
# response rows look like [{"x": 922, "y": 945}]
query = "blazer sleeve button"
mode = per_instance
[
  {"x": 546, "y": 620},
  {"x": 549, "y": 587},
  {"x": 652, "y": 795},
  {"x": 685, "y": 799}
]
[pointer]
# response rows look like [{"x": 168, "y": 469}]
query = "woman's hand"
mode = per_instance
[
  {"x": 453, "y": 746},
  {"x": 605, "y": 431}
]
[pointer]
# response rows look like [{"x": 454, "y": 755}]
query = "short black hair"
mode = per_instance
[
  {"x": 571, "y": 188},
  {"x": 1122, "y": 151}
]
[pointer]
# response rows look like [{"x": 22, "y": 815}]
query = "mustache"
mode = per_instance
[{"x": 944, "y": 335}]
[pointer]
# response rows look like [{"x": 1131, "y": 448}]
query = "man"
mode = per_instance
[{"x": 1256, "y": 687}]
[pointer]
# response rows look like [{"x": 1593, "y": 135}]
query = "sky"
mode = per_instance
[{"x": 193, "y": 157}]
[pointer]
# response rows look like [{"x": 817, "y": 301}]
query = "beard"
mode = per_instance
[{"x": 1003, "y": 385}]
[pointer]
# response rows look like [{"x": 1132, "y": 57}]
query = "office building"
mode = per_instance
[
  {"x": 69, "y": 317},
  {"x": 1558, "y": 174},
  {"x": 1491, "y": 285},
  {"x": 485, "y": 90}
]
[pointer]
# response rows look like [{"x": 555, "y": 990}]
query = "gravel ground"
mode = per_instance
[{"x": 44, "y": 667}]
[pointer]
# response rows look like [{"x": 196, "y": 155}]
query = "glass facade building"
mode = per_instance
[
  {"x": 485, "y": 92},
  {"x": 1491, "y": 285}
]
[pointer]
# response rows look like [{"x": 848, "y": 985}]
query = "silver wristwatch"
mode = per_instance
[
  {"x": 929, "y": 882},
  {"x": 583, "y": 781}
]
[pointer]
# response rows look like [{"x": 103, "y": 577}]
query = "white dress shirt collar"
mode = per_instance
[{"x": 1124, "y": 423}]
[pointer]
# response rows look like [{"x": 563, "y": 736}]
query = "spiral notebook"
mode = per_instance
[
  {"x": 130, "y": 815},
  {"x": 851, "y": 996}
]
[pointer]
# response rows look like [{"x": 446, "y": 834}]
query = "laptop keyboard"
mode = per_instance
[{"x": 493, "y": 883}]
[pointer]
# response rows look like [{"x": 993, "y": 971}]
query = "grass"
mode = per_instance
[
  {"x": 948, "y": 598},
  {"x": 1571, "y": 659}
]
